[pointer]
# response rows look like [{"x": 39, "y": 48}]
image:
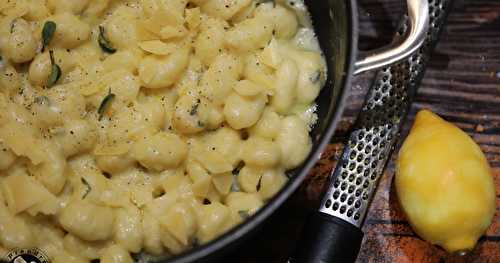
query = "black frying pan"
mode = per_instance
[{"x": 336, "y": 25}]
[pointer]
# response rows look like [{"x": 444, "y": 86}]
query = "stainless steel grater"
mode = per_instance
[{"x": 354, "y": 181}]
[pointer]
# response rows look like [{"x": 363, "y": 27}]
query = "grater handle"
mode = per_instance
[{"x": 328, "y": 239}]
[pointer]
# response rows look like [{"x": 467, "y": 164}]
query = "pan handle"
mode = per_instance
[{"x": 418, "y": 24}]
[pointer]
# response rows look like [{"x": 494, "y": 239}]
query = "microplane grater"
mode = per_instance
[{"x": 355, "y": 179}]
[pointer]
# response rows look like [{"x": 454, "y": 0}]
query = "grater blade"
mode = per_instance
[{"x": 354, "y": 181}]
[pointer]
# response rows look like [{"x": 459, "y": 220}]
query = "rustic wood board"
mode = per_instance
[{"x": 462, "y": 84}]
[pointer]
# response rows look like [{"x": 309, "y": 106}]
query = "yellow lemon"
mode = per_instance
[{"x": 444, "y": 184}]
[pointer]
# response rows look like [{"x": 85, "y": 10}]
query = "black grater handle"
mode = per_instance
[{"x": 328, "y": 239}]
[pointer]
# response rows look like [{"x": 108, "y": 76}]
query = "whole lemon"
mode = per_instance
[{"x": 444, "y": 184}]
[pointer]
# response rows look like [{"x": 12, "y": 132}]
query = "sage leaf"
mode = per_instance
[
  {"x": 106, "y": 102},
  {"x": 89, "y": 188},
  {"x": 104, "y": 42},
  {"x": 49, "y": 28},
  {"x": 55, "y": 72}
]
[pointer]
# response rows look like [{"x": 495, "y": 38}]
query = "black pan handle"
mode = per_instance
[{"x": 326, "y": 238}]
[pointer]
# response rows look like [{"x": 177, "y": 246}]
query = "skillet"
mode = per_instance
[{"x": 336, "y": 25}]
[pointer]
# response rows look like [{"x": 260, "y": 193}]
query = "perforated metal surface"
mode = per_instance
[{"x": 370, "y": 144}]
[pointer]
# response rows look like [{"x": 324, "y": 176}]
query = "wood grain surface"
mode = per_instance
[{"x": 462, "y": 84}]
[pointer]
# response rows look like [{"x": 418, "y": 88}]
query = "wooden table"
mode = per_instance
[{"x": 462, "y": 84}]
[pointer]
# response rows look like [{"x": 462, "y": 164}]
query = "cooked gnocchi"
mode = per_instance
[{"x": 151, "y": 126}]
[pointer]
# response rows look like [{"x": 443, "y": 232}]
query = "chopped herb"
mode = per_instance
[
  {"x": 194, "y": 109},
  {"x": 244, "y": 214},
  {"x": 244, "y": 135},
  {"x": 196, "y": 242},
  {"x": 89, "y": 188},
  {"x": 259, "y": 184},
  {"x": 47, "y": 33},
  {"x": 206, "y": 201},
  {"x": 42, "y": 100},
  {"x": 200, "y": 124},
  {"x": 55, "y": 73},
  {"x": 238, "y": 168},
  {"x": 12, "y": 25},
  {"x": 105, "y": 104},
  {"x": 104, "y": 42},
  {"x": 315, "y": 77}
]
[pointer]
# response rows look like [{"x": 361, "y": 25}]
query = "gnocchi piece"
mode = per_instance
[
  {"x": 51, "y": 171},
  {"x": 260, "y": 152},
  {"x": 259, "y": 73},
  {"x": 200, "y": 178},
  {"x": 66, "y": 103},
  {"x": 286, "y": 87},
  {"x": 247, "y": 88},
  {"x": 161, "y": 72},
  {"x": 37, "y": 10},
  {"x": 49, "y": 238},
  {"x": 223, "y": 182},
  {"x": 40, "y": 69},
  {"x": 85, "y": 249},
  {"x": 128, "y": 228},
  {"x": 114, "y": 164},
  {"x": 242, "y": 112},
  {"x": 284, "y": 20},
  {"x": 270, "y": 183},
  {"x": 96, "y": 7},
  {"x": 224, "y": 9},
  {"x": 123, "y": 59},
  {"x": 120, "y": 28},
  {"x": 311, "y": 74},
  {"x": 160, "y": 151},
  {"x": 120, "y": 82},
  {"x": 294, "y": 141},
  {"x": 87, "y": 221},
  {"x": 78, "y": 136},
  {"x": 250, "y": 34},
  {"x": 211, "y": 160},
  {"x": 15, "y": 232},
  {"x": 116, "y": 254},
  {"x": 191, "y": 114},
  {"x": 70, "y": 32},
  {"x": 170, "y": 242},
  {"x": 249, "y": 178},
  {"x": 152, "y": 234},
  {"x": 268, "y": 126},
  {"x": 19, "y": 45},
  {"x": 212, "y": 218},
  {"x": 210, "y": 41},
  {"x": 225, "y": 141},
  {"x": 244, "y": 202},
  {"x": 180, "y": 221},
  {"x": 217, "y": 82}
]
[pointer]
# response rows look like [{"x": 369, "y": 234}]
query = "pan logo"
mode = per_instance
[{"x": 27, "y": 255}]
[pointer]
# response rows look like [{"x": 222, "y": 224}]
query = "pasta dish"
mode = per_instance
[{"x": 148, "y": 126}]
